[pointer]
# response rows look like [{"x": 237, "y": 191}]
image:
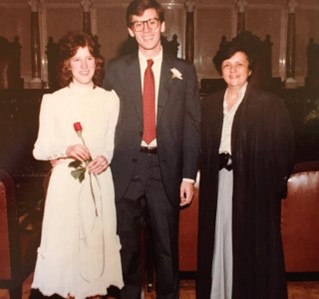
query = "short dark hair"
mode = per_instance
[
  {"x": 228, "y": 49},
  {"x": 137, "y": 8},
  {"x": 68, "y": 45}
]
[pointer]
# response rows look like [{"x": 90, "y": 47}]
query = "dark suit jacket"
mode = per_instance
[{"x": 178, "y": 118}]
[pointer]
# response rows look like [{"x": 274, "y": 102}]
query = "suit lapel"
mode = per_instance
[
  {"x": 134, "y": 83},
  {"x": 163, "y": 92}
]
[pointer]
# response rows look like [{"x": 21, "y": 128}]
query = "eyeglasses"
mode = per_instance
[{"x": 152, "y": 24}]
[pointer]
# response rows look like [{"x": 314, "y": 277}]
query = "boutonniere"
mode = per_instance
[{"x": 176, "y": 74}]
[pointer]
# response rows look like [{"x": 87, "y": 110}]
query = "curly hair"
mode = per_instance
[
  {"x": 68, "y": 46},
  {"x": 228, "y": 49},
  {"x": 137, "y": 8}
]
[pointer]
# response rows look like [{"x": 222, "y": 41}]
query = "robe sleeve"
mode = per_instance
[
  {"x": 192, "y": 118},
  {"x": 283, "y": 148}
]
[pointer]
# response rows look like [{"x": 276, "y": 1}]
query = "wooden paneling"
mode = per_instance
[
  {"x": 211, "y": 26},
  {"x": 271, "y": 25},
  {"x": 175, "y": 24},
  {"x": 19, "y": 115},
  {"x": 15, "y": 21},
  {"x": 307, "y": 24},
  {"x": 63, "y": 19},
  {"x": 112, "y": 30},
  {"x": 213, "y": 18}
]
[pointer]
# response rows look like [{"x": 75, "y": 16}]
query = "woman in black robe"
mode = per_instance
[{"x": 247, "y": 157}]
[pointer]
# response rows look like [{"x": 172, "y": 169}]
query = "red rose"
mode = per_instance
[
  {"x": 77, "y": 127},
  {"x": 79, "y": 171}
]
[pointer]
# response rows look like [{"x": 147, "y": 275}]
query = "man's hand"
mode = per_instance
[
  {"x": 186, "y": 193},
  {"x": 98, "y": 165}
]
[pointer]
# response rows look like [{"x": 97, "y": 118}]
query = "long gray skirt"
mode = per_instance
[{"x": 222, "y": 267}]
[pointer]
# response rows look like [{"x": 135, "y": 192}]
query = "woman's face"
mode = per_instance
[
  {"x": 82, "y": 66},
  {"x": 235, "y": 70}
]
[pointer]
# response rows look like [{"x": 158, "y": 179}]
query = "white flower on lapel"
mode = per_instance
[{"x": 176, "y": 74}]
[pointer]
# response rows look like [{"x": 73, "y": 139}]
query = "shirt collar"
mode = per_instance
[
  {"x": 241, "y": 96},
  {"x": 157, "y": 59}
]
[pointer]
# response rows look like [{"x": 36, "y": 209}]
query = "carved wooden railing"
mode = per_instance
[
  {"x": 10, "y": 64},
  {"x": 312, "y": 79},
  {"x": 303, "y": 107},
  {"x": 19, "y": 114}
]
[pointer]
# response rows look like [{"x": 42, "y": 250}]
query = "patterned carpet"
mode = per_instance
[{"x": 296, "y": 290}]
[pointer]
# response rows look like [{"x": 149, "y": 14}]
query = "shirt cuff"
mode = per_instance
[{"x": 188, "y": 180}]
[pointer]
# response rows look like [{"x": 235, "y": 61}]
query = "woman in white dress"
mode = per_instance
[{"x": 79, "y": 254}]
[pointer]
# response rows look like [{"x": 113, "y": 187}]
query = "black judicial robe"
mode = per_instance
[{"x": 262, "y": 149}]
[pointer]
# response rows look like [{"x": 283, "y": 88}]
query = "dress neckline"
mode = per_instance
[{"x": 83, "y": 89}]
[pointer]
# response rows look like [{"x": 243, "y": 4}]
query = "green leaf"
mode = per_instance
[
  {"x": 78, "y": 173},
  {"x": 82, "y": 175},
  {"x": 75, "y": 164}
]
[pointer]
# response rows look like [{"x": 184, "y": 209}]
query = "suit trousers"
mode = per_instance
[{"x": 146, "y": 193}]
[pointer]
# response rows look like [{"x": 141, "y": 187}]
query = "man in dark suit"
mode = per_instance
[{"x": 156, "y": 175}]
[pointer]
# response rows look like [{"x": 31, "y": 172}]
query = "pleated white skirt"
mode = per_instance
[{"x": 79, "y": 254}]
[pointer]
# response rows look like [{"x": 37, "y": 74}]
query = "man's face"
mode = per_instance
[{"x": 149, "y": 40}]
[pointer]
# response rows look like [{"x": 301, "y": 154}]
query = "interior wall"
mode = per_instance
[{"x": 212, "y": 20}]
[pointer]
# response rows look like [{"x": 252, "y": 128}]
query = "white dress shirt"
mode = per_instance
[{"x": 225, "y": 142}]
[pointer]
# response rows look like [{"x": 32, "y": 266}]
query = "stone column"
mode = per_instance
[
  {"x": 241, "y": 15},
  {"x": 36, "y": 81},
  {"x": 190, "y": 6},
  {"x": 86, "y": 7},
  {"x": 291, "y": 45}
]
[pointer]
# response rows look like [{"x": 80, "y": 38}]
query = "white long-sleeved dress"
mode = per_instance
[{"x": 79, "y": 251}]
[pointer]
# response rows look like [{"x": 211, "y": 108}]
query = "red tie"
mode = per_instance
[{"x": 149, "y": 103}]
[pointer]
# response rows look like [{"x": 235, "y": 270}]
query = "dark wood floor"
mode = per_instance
[{"x": 296, "y": 290}]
